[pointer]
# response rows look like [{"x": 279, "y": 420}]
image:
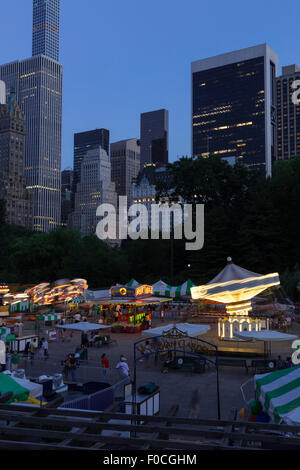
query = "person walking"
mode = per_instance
[
  {"x": 194, "y": 405},
  {"x": 123, "y": 368},
  {"x": 104, "y": 367}
]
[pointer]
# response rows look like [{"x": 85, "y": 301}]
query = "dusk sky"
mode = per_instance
[{"x": 122, "y": 58}]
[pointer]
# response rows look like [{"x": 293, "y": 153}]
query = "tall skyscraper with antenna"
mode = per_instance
[
  {"x": 45, "y": 28},
  {"x": 37, "y": 82}
]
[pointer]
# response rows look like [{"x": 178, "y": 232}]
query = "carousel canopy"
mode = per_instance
[
  {"x": 265, "y": 335},
  {"x": 235, "y": 284},
  {"x": 279, "y": 393},
  {"x": 189, "y": 328},
  {"x": 84, "y": 326}
]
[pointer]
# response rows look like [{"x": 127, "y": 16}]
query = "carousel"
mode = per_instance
[{"x": 235, "y": 287}]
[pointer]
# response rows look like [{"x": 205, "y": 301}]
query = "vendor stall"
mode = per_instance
[{"x": 130, "y": 307}]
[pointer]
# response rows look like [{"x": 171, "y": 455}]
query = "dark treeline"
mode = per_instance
[{"x": 254, "y": 220}]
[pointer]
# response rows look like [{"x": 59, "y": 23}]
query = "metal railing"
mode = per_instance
[{"x": 98, "y": 401}]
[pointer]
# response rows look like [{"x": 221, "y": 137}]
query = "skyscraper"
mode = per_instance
[
  {"x": 288, "y": 114},
  {"x": 125, "y": 165},
  {"x": 154, "y": 137},
  {"x": 38, "y": 86},
  {"x": 234, "y": 106},
  {"x": 84, "y": 141},
  {"x": 94, "y": 188},
  {"x": 66, "y": 195},
  {"x": 45, "y": 32},
  {"x": 12, "y": 178}
]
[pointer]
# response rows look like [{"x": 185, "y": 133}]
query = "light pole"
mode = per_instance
[{"x": 208, "y": 139}]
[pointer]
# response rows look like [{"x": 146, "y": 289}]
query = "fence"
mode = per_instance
[{"x": 98, "y": 401}]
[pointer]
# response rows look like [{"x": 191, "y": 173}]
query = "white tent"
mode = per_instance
[
  {"x": 264, "y": 335},
  {"x": 159, "y": 288},
  {"x": 267, "y": 336},
  {"x": 189, "y": 328},
  {"x": 84, "y": 326}
]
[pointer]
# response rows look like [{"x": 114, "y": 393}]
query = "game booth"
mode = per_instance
[{"x": 131, "y": 306}]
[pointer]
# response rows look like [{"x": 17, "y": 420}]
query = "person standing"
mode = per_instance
[
  {"x": 123, "y": 368},
  {"x": 73, "y": 364},
  {"x": 45, "y": 347},
  {"x": 32, "y": 351},
  {"x": 147, "y": 353},
  {"x": 14, "y": 361},
  {"x": 105, "y": 367}
]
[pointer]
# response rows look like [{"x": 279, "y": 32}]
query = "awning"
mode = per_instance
[
  {"x": 189, "y": 328},
  {"x": 49, "y": 317},
  {"x": 136, "y": 302},
  {"x": 265, "y": 335},
  {"x": 163, "y": 289},
  {"x": 84, "y": 326},
  {"x": 279, "y": 393}
]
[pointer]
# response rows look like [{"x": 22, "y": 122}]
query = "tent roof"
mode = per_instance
[
  {"x": 232, "y": 272},
  {"x": 279, "y": 393},
  {"x": 189, "y": 328},
  {"x": 265, "y": 335},
  {"x": 84, "y": 326},
  {"x": 133, "y": 283}
]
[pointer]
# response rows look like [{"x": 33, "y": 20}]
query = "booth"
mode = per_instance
[{"x": 131, "y": 306}]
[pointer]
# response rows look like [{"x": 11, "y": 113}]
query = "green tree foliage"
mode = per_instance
[{"x": 254, "y": 220}]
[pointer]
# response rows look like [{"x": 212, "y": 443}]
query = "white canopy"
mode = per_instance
[
  {"x": 189, "y": 328},
  {"x": 265, "y": 335},
  {"x": 84, "y": 326}
]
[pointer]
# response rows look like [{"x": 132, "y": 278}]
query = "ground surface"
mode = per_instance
[{"x": 176, "y": 386}]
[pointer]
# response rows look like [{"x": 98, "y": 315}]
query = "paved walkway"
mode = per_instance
[{"x": 176, "y": 386}]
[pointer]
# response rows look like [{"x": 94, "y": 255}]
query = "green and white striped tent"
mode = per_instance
[
  {"x": 133, "y": 283},
  {"x": 279, "y": 393},
  {"x": 49, "y": 317},
  {"x": 162, "y": 289}
]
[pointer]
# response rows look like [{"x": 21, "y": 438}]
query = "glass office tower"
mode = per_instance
[
  {"x": 45, "y": 32},
  {"x": 154, "y": 137},
  {"x": 288, "y": 113},
  {"x": 84, "y": 141},
  {"x": 234, "y": 107}
]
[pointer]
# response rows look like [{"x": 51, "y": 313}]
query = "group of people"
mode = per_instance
[
  {"x": 122, "y": 367},
  {"x": 284, "y": 364}
]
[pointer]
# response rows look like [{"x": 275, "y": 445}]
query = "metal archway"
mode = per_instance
[{"x": 173, "y": 341}]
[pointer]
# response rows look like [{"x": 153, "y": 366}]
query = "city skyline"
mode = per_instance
[{"x": 154, "y": 71}]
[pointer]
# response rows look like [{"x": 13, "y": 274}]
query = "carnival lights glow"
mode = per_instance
[
  {"x": 235, "y": 287},
  {"x": 60, "y": 291}
]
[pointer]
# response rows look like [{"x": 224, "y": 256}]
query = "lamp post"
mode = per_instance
[{"x": 208, "y": 139}]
